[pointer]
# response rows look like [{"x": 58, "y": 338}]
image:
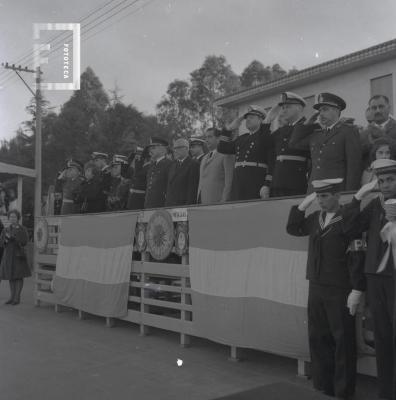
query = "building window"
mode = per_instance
[{"x": 383, "y": 85}]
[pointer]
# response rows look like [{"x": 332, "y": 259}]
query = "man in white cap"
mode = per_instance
[
  {"x": 379, "y": 271},
  {"x": 291, "y": 166},
  {"x": 253, "y": 154},
  {"x": 336, "y": 283}
]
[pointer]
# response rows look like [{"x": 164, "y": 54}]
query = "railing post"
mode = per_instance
[
  {"x": 144, "y": 308},
  {"x": 185, "y": 340}
]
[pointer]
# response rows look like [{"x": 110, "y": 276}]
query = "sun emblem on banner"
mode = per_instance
[
  {"x": 41, "y": 235},
  {"x": 160, "y": 235}
]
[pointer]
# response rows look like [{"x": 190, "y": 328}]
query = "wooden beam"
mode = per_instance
[{"x": 16, "y": 170}]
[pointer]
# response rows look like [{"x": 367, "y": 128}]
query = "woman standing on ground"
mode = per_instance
[{"x": 14, "y": 266}]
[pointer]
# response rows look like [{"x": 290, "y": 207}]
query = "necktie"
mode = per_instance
[{"x": 210, "y": 155}]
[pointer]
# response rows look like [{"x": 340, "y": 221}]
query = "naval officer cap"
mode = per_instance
[
  {"x": 291, "y": 98},
  {"x": 327, "y": 185},
  {"x": 197, "y": 141},
  {"x": 74, "y": 164},
  {"x": 254, "y": 110},
  {"x": 329, "y": 99},
  {"x": 384, "y": 166},
  {"x": 97, "y": 155},
  {"x": 119, "y": 159},
  {"x": 157, "y": 141}
]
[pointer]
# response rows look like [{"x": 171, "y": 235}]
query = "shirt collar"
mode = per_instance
[
  {"x": 383, "y": 124},
  {"x": 161, "y": 158}
]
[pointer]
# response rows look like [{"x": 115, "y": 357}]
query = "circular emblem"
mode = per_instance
[
  {"x": 181, "y": 238},
  {"x": 140, "y": 237},
  {"x": 41, "y": 235},
  {"x": 160, "y": 235}
]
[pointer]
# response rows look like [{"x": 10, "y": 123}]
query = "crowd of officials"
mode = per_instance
[
  {"x": 351, "y": 248},
  {"x": 280, "y": 155}
]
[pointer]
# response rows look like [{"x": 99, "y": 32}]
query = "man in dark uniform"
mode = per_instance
[
  {"x": 100, "y": 160},
  {"x": 335, "y": 288},
  {"x": 183, "y": 177},
  {"x": 119, "y": 184},
  {"x": 380, "y": 286},
  {"x": 252, "y": 175},
  {"x": 334, "y": 144},
  {"x": 197, "y": 148},
  {"x": 291, "y": 166},
  {"x": 157, "y": 174}
]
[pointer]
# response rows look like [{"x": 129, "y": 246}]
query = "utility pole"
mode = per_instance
[{"x": 37, "y": 157}]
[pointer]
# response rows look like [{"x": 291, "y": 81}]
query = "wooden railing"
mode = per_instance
[{"x": 160, "y": 291}]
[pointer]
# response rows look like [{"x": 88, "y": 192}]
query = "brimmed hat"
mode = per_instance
[
  {"x": 197, "y": 142},
  {"x": 74, "y": 163},
  {"x": 119, "y": 159},
  {"x": 157, "y": 141},
  {"x": 255, "y": 110},
  {"x": 96, "y": 155},
  {"x": 384, "y": 166},
  {"x": 329, "y": 99},
  {"x": 291, "y": 98},
  {"x": 327, "y": 185}
]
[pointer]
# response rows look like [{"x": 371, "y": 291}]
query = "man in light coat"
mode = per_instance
[{"x": 216, "y": 172}]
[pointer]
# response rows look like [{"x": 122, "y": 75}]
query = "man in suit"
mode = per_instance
[
  {"x": 336, "y": 284},
  {"x": 291, "y": 166},
  {"x": 197, "y": 149},
  {"x": 379, "y": 271},
  {"x": 101, "y": 162},
  {"x": 183, "y": 177},
  {"x": 380, "y": 123},
  {"x": 216, "y": 172},
  {"x": 157, "y": 174},
  {"x": 334, "y": 143},
  {"x": 252, "y": 174}
]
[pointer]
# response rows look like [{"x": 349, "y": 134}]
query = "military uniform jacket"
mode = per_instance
[
  {"x": 328, "y": 262},
  {"x": 157, "y": 183},
  {"x": 371, "y": 220},
  {"x": 183, "y": 182},
  {"x": 334, "y": 154},
  {"x": 291, "y": 166},
  {"x": 249, "y": 147}
]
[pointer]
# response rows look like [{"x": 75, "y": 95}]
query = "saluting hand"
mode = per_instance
[
  {"x": 313, "y": 119},
  {"x": 264, "y": 192},
  {"x": 235, "y": 124},
  {"x": 366, "y": 189},
  {"x": 272, "y": 114},
  {"x": 307, "y": 201}
]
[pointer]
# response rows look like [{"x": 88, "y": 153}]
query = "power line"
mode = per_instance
[{"x": 30, "y": 54}]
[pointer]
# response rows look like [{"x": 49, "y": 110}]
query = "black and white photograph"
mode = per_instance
[{"x": 197, "y": 200}]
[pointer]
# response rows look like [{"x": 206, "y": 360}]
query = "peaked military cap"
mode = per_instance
[
  {"x": 96, "y": 154},
  {"x": 255, "y": 110},
  {"x": 327, "y": 185},
  {"x": 74, "y": 163},
  {"x": 384, "y": 166},
  {"x": 197, "y": 141},
  {"x": 329, "y": 99},
  {"x": 119, "y": 159},
  {"x": 291, "y": 98},
  {"x": 157, "y": 141}
]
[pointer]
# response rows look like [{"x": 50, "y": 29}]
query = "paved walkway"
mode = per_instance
[{"x": 50, "y": 356}]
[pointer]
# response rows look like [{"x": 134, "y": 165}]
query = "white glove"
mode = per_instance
[
  {"x": 354, "y": 301},
  {"x": 307, "y": 201},
  {"x": 366, "y": 189},
  {"x": 264, "y": 192}
]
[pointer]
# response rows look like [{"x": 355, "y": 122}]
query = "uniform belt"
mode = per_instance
[
  {"x": 137, "y": 191},
  {"x": 250, "y": 164},
  {"x": 290, "y": 158},
  {"x": 68, "y": 201}
]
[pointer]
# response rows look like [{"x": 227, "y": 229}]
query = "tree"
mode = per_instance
[
  {"x": 176, "y": 111},
  {"x": 213, "y": 79},
  {"x": 254, "y": 74}
]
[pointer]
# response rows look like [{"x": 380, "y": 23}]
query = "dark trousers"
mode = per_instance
[
  {"x": 248, "y": 181},
  {"x": 380, "y": 292},
  {"x": 332, "y": 342}
]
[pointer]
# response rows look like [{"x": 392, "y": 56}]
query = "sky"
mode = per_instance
[{"x": 152, "y": 42}]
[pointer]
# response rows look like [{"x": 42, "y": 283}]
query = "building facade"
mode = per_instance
[{"x": 354, "y": 77}]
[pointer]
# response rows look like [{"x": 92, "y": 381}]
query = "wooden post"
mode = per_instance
[
  {"x": 236, "y": 354},
  {"x": 81, "y": 315},
  {"x": 19, "y": 193},
  {"x": 110, "y": 322},
  {"x": 303, "y": 368},
  {"x": 185, "y": 340},
  {"x": 144, "y": 330}
]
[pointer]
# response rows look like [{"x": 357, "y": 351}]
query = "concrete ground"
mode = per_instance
[{"x": 50, "y": 356}]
